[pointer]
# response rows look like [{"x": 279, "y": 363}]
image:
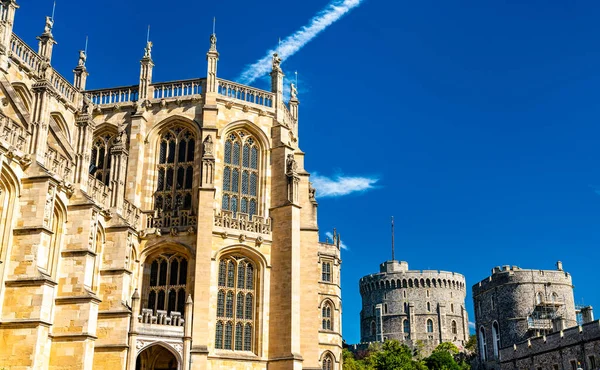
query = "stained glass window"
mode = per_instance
[
  {"x": 167, "y": 285},
  {"x": 175, "y": 170},
  {"x": 240, "y": 174},
  {"x": 100, "y": 161},
  {"x": 236, "y": 296}
]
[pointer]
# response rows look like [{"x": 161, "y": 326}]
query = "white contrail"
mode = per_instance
[{"x": 288, "y": 47}]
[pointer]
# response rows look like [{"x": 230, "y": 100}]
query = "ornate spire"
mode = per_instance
[{"x": 212, "y": 57}]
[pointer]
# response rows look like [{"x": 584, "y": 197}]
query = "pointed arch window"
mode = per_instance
[
  {"x": 327, "y": 363},
  {"x": 175, "y": 169},
  {"x": 167, "y": 283},
  {"x": 100, "y": 158},
  {"x": 241, "y": 174},
  {"x": 496, "y": 338},
  {"x": 326, "y": 315},
  {"x": 454, "y": 329},
  {"x": 236, "y": 304}
]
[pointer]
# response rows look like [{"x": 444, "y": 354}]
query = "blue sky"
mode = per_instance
[{"x": 474, "y": 123}]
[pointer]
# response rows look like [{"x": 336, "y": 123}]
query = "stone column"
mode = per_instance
[
  {"x": 187, "y": 333},
  {"x": 133, "y": 325},
  {"x": 40, "y": 119},
  {"x": 137, "y": 152},
  {"x": 118, "y": 171},
  {"x": 442, "y": 321},
  {"x": 7, "y": 18},
  {"x": 411, "y": 320},
  {"x": 285, "y": 314},
  {"x": 85, "y": 134}
]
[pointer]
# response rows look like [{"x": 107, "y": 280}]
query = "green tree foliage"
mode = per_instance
[
  {"x": 441, "y": 360},
  {"x": 471, "y": 344},
  {"x": 392, "y": 355},
  {"x": 447, "y": 347}
]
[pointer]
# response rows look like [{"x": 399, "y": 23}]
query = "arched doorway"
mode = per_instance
[{"x": 156, "y": 357}]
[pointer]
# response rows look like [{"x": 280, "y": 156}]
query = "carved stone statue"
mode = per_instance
[
  {"x": 119, "y": 137},
  {"x": 48, "y": 26},
  {"x": 148, "y": 50},
  {"x": 82, "y": 58},
  {"x": 213, "y": 42},
  {"x": 311, "y": 192},
  {"x": 208, "y": 146},
  {"x": 293, "y": 91},
  {"x": 276, "y": 62},
  {"x": 291, "y": 165}
]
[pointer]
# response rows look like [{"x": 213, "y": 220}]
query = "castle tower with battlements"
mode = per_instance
[
  {"x": 419, "y": 308},
  {"x": 165, "y": 225}
]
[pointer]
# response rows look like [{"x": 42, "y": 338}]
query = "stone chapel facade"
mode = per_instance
[{"x": 157, "y": 226}]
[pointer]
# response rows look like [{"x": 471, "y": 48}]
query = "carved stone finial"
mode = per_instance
[
  {"x": 148, "y": 50},
  {"x": 291, "y": 165},
  {"x": 208, "y": 146},
  {"x": 276, "y": 62},
  {"x": 293, "y": 91}
]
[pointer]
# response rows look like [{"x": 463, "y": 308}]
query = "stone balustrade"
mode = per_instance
[
  {"x": 243, "y": 222},
  {"x": 115, "y": 95},
  {"x": 13, "y": 136},
  {"x": 132, "y": 214},
  {"x": 179, "y": 219},
  {"x": 63, "y": 87},
  {"x": 178, "y": 88},
  {"x": 245, "y": 93},
  {"x": 161, "y": 317},
  {"x": 99, "y": 192},
  {"x": 25, "y": 55},
  {"x": 59, "y": 164}
]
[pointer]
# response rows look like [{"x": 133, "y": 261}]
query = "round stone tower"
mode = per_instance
[
  {"x": 419, "y": 308},
  {"x": 514, "y": 304}
]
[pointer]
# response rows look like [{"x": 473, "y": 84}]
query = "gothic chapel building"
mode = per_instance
[{"x": 163, "y": 225}]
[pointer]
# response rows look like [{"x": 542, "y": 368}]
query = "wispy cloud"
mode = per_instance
[
  {"x": 342, "y": 245},
  {"x": 291, "y": 44},
  {"x": 471, "y": 325},
  {"x": 341, "y": 185}
]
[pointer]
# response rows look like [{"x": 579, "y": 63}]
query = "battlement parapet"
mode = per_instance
[
  {"x": 568, "y": 337},
  {"x": 516, "y": 275}
]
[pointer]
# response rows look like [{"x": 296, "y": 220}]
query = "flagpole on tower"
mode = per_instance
[
  {"x": 392, "y": 238},
  {"x": 53, "y": 9}
]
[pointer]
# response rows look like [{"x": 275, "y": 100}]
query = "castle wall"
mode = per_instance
[{"x": 578, "y": 345}]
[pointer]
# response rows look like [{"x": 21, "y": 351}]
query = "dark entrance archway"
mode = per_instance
[{"x": 156, "y": 357}]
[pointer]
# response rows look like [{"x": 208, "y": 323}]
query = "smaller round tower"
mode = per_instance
[
  {"x": 419, "y": 308},
  {"x": 514, "y": 304}
]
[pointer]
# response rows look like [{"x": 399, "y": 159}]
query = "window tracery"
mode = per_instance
[
  {"x": 241, "y": 174},
  {"x": 236, "y": 304},
  {"x": 175, "y": 170},
  {"x": 100, "y": 160},
  {"x": 327, "y": 363},
  {"x": 326, "y": 315},
  {"x": 167, "y": 284}
]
